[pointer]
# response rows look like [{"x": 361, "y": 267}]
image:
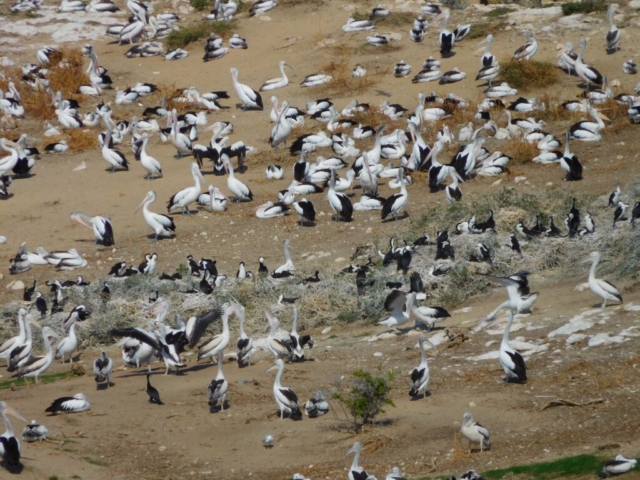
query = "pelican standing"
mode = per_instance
[
  {"x": 420, "y": 374},
  {"x": 162, "y": 225},
  {"x": 286, "y": 398},
  {"x": 446, "y": 37},
  {"x": 247, "y": 95},
  {"x": 235, "y": 186},
  {"x": 9, "y": 443},
  {"x": 356, "y": 472},
  {"x": 187, "y": 196},
  {"x": 216, "y": 344},
  {"x": 114, "y": 157},
  {"x": 69, "y": 344},
  {"x": 8, "y": 345},
  {"x": 217, "y": 390},
  {"x": 102, "y": 369},
  {"x": 282, "y": 129},
  {"x": 40, "y": 365},
  {"x": 150, "y": 164},
  {"x": 569, "y": 162},
  {"x": 510, "y": 360},
  {"x": 244, "y": 345},
  {"x": 101, "y": 227},
  {"x": 528, "y": 50},
  {"x": 288, "y": 266},
  {"x": 613, "y": 35},
  {"x": 474, "y": 432},
  {"x": 601, "y": 288},
  {"x": 396, "y": 202},
  {"x": 275, "y": 83},
  {"x": 586, "y": 73},
  {"x": 339, "y": 202}
]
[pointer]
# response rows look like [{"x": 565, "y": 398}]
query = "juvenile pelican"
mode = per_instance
[
  {"x": 101, "y": 227},
  {"x": 40, "y": 365},
  {"x": 247, "y": 95},
  {"x": 286, "y": 398},
  {"x": 187, "y": 196},
  {"x": 474, "y": 432},
  {"x": 420, "y": 374},
  {"x": 601, "y": 288},
  {"x": 217, "y": 390},
  {"x": 275, "y": 83},
  {"x": 102, "y": 369},
  {"x": 528, "y": 50},
  {"x": 161, "y": 224}
]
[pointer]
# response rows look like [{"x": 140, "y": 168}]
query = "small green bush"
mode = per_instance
[
  {"x": 367, "y": 397},
  {"x": 183, "y": 37},
  {"x": 584, "y": 6},
  {"x": 200, "y": 5}
]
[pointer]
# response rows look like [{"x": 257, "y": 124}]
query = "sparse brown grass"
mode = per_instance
[
  {"x": 80, "y": 139},
  {"x": 390, "y": 47},
  {"x": 396, "y": 19},
  {"x": 68, "y": 74},
  {"x": 618, "y": 116},
  {"x": 37, "y": 103},
  {"x": 528, "y": 74},
  {"x": 340, "y": 69},
  {"x": 521, "y": 151},
  {"x": 482, "y": 29}
]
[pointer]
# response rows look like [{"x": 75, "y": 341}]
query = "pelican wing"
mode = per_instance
[
  {"x": 396, "y": 302},
  {"x": 201, "y": 323},
  {"x": 416, "y": 282},
  {"x": 417, "y": 374},
  {"x": 138, "y": 334},
  {"x": 609, "y": 288},
  {"x": 289, "y": 395},
  {"x": 519, "y": 368},
  {"x": 164, "y": 220}
]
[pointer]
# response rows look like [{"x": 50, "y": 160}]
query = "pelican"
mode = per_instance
[
  {"x": 446, "y": 37},
  {"x": 396, "y": 305},
  {"x": 75, "y": 404},
  {"x": 8, "y": 345},
  {"x": 274, "y": 172},
  {"x": 420, "y": 374},
  {"x": 356, "y": 472},
  {"x": 297, "y": 342},
  {"x": 101, "y": 227},
  {"x": 41, "y": 364},
  {"x": 307, "y": 212},
  {"x": 586, "y": 73},
  {"x": 286, "y": 398},
  {"x": 586, "y": 130},
  {"x": 102, "y": 369},
  {"x": 34, "y": 432},
  {"x": 569, "y": 162},
  {"x": 9, "y": 443},
  {"x": 150, "y": 164},
  {"x": 275, "y": 83},
  {"x": 235, "y": 186},
  {"x": 282, "y": 129},
  {"x": 217, "y": 389},
  {"x": 215, "y": 199},
  {"x": 288, "y": 266},
  {"x": 187, "y": 196},
  {"x": 178, "y": 139},
  {"x": 613, "y": 35},
  {"x": 474, "y": 432},
  {"x": 452, "y": 192},
  {"x": 396, "y": 202},
  {"x": 69, "y": 344},
  {"x": 114, "y": 157},
  {"x": 158, "y": 341},
  {"x": 528, "y": 50},
  {"x": 316, "y": 406},
  {"x": 428, "y": 316},
  {"x": 248, "y": 96},
  {"x": 270, "y": 210},
  {"x": 20, "y": 354},
  {"x": 339, "y": 202},
  {"x": 618, "y": 466},
  {"x": 601, "y": 288},
  {"x": 236, "y": 41},
  {"x": 216, "y": 344},
  {"x": 354, "y": 25},
  {"x": 510, "y": 359},
  {"x": 519, "y": 301},
  {"x": 244, "y": 345},
  {"x": 161, "y": 224}
]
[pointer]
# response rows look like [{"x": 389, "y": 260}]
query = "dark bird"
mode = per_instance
[
  {"x": 194, "y": 269},
  {"x": 620, "y": 213},
  {"x": 118, "y": 270},
  {"x": 635, "y": 214},
  {"x": 422, "y": 240},
  {"x": 154, "y": 395},
  {"x": 41, "y": 304},
  {"x": 27, "y": 296},
  {"x": 106, "y": 292},
  {"x": 314, "y": 279},
  {"x": 514, "y": 244}
]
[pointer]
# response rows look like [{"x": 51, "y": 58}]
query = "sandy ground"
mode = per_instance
[{"x": 126, "y": 437}]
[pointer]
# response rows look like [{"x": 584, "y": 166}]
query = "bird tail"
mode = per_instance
[
  {"x": 296, "y": 413},
  {"x": 413, "y": 392}
]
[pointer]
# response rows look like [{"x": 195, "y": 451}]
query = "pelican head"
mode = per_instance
[
  {"x": 150, "y": 198},
  {"x": 4, "y": 408},
  {"x": 285, "y": 64},
  {"x": 276, "y": 366},
  {"x": 357, "y": 448},
  {"x": 81, "y": 218}
]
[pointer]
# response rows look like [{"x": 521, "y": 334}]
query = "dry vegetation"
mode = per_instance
[
  {"x": 340, "y": 69},
  {"x": 80, "y": 140},
  {"x": 521, "y": 152},
  {"x": 528, "y": 75}
]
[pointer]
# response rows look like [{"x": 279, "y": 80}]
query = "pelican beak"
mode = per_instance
[
  {"x": 288, "y": 66},
  {"x": 562, "y": 51},
  {"x": 141, "y": 204},
  {"x": 272, "y": 367},
  {"x": 15, "y": 414},
  {"x": 35, "y": 322},
  {"x": 82, "y": 222}
]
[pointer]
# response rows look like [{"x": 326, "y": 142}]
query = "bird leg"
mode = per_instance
[{"x": 604, "y": 304}]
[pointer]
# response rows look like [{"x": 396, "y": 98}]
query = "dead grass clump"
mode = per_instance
[
  {"x": 367, "y": 49},
  {"x": 80, "y": 140},
  {"x": 618, "y": 116},
  {"x": 520, "y": 152},
  {"x": 482, "y": 29},
  {"x": 38, "y": 104},
  {"x": 396, "y": 19},
  {"x": 528, "y": 74},
  {"x": 553, "y": 111},
  {"x": 343, "y": 82},
  {"x": 68, "y": 74}
]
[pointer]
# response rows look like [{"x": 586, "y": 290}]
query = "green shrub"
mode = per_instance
[
  {"x": 584, "y": 6},
  {"x": 200, "y": 5}
]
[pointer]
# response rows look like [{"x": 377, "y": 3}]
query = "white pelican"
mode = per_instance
[
  {"x": 217, "y": 389},
  {"x": 235, "y": 186},
  {"x": 396, "y": 305},
  {"x": 613, "y": 35},
  {"x": 282, "y": 129},
  {"x": 452, "y": 76},
  {"x": 286, "y": 399},
  {"x": 20, "y": 354},
  {"x": 618, "y": 466},
  {"x": 217, "y": 343},
  {"x": 9, "y": 443},
  {"x": 356, "y": 472},
  {"x": 474, "y": 432},
  {"x": 601, "y": 288},
  {"x": 275, "y": 83},
  {"x": 420, "y": 374},
  {"x": 34, "y": 432},
  {"x": 69, "y": 344},
  {"x": 8, "y": 345},
  {"x": 41, "y": 364},
  {"x": 161, "y": 224},
  {"x": 354, "y": 25},
  {"x": 215, "y": 199},
  {"x": 274, "y": 172},
  {"x": 316, "y": 406},
  {"x": 189, "y": 195},
  {"x": 9, "y": 162},
  {"x": 569, "y": 162},
  {"x": 488, "y": 59},
  {"x": 102, "y": 369},
  {"x": 287, "y": 267},
  {"x": 428, "y": 316},
  {"x": 248, "y": 96},
  {"x": 629, "y": 67},
  {"x": 519, "y": 301},
  {"x": 178, "y": 139},
  {"x": 511, "y": 361},
  {"x": 297, "y": 341},
  {"x": 101, "y": 226},
  {"x": 244, "y": 345},
  {"x": 114, "y": 157},
  {"x": 150, "y": 164},
  {"x": 446, "y": 37},
  {"x": 396, "y": 202},
  {"x": 588, "y": 131},
  {"x": 339, "y": 202},
  {"x": 75, "y": 404},
  {"x": 528, "y": 50},
  {"x": 586, "y": 73},
  {"x": 270, "y": 210}
]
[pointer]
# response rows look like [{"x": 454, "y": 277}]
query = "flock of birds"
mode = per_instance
[{"x": 408, "y": 149}]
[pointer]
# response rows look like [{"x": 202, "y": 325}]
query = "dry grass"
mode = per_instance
[
  {"x": 37, "y": 104},
  {"x": 68, "y": 74},
  {"x": 80, "y": 140},
  {"x": 528, "y": 75},
  {"x": 340, "y": 69},
  {"x": 618, "y": 116},
  {"x": 482, "y": 29},
  {"x": 520, "y": 152}
]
